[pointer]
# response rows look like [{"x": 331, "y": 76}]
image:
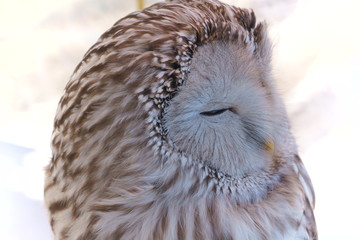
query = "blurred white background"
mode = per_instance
[{"x": 317, "y": 62}]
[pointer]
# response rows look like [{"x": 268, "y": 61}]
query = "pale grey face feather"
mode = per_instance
[{"x": 224, "y": 113}]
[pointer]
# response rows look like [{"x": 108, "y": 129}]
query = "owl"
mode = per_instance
[{"x": 171, "y": 128}]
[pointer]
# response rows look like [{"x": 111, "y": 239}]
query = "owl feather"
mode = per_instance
[{"x": 171, "y": 128}]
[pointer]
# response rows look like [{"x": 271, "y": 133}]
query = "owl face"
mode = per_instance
[{"x": 222, "y": 115}]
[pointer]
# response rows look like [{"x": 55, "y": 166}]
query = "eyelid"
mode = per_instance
[{"x": 215, "y": 112}]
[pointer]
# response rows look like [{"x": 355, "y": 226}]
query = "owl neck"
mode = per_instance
[{"x": 199, "y": 179}]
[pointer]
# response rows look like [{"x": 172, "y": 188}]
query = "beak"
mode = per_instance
[{"x": 269, "y": 146}]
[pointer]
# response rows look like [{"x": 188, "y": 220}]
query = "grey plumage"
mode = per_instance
[{"x": 171, "y": 128}]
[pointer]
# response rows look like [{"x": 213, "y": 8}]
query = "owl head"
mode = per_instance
[{"x": 182, "y": 83}]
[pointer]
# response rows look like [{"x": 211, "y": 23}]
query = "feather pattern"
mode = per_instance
[{"x": 118, "y": 170}]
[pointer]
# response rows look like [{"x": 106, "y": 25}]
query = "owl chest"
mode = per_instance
[{"x": 201, "y": 219}]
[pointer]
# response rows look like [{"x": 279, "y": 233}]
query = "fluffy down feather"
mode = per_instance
[{"x": 171, "y": 128}]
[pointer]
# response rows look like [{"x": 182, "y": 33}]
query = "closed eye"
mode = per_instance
[{"x": 214, "y": 112}]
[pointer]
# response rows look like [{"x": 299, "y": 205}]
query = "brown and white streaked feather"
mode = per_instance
[{"x": 115, "y": 174}]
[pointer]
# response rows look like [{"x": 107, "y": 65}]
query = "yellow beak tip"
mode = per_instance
[{"x": 269, "y": 145}]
